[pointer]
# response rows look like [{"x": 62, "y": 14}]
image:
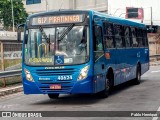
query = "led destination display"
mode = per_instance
[{"x": 45, "y": 20}]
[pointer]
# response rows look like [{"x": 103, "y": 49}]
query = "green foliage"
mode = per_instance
[{"x": 19, "y": 12}]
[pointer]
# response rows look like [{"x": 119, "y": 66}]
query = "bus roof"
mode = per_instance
[
  {"x": 118, "y": 20},
  {"x": 100, "y": 15}
]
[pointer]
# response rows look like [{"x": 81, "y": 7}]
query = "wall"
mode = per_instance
[{"x": 98, "y": 5}]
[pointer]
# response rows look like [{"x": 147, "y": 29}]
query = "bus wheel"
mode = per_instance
[
  {"x": 105, "y": 92},
  {"x": 53, "y": 96},
  {"x": 138, "y": 76}
]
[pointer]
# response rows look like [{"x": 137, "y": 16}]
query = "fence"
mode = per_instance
[{"x": 10, "y": 59}]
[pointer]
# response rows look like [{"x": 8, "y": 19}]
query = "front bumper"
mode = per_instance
[{"x": 83, "y": 86}]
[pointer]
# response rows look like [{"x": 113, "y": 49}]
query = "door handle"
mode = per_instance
[{"x": 102, "y": 66}]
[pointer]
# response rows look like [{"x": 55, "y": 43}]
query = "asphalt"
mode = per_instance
[{"x": 125, "y": 97}]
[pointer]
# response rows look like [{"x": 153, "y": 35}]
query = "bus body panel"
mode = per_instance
[
  {"x": 123, "y": 60},
  {"x": 43, "y": 78}
]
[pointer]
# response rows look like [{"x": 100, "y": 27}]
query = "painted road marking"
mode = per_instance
[
  {"x": 155, "y": 71},
  {"x": 156, "y": 118}
]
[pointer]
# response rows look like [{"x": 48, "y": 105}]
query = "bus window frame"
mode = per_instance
[
  {"x": 139, "y": 30},
  {"x": 146, "y": 41},
  {"x": 105, "y": 35},
  {"x": 130, "y": 38},
  {"x": 135, "y": 36},
  {"x": 120, "y": 35},
  {"x": 101, "y": 28}
]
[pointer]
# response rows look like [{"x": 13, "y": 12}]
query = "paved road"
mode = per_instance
[{"x": 126, "y": 97}]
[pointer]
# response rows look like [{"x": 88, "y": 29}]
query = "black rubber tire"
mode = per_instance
[
  {"x": 137, "y": 80},
  {"x": 53, "y": 96},
  {"x": 105, "y": 92}
]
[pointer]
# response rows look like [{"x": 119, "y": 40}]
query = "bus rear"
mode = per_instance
[{"x": 56, "y": 54}]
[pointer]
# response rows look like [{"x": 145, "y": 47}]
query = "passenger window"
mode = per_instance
[
  {"x": 118, "y": 36},
  {"x": 139, "y": 38},
  {"x": 108, "y": 35},
  {"x": 127, "y": 36},
  {"x": 145, "y": 40},
  {"x": 98, "y": 37},
  {"x": 133, "y": 35}
]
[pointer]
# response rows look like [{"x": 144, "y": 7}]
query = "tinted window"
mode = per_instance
[
  {"x": 118, "y": 36},
  {"x": 139, "y": 38},
  {"x": 127, "y": 36},
  {"x": 145, "y": 39},
  {"x": 108, "y": 35},
  {"x": 99, "y": 45},
  {"x": 133, "y": 35}
]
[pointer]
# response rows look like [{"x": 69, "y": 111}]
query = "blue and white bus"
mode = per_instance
[{"x": 72, "y": 52}]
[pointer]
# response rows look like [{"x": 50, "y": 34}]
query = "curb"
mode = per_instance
[
  {"x": 154, "y": 64},
  {"x": 10, "y": 90}
]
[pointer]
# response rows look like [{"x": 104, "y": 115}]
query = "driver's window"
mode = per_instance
[{"x": 98, "y": 38}]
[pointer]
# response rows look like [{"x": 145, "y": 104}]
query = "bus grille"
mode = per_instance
[{"x": 55, "y": 72}]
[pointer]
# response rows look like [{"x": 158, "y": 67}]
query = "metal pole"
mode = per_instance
[
  {"x": 107, "y": 5},
  {"x": 46, "y": 5},
  {"x": 151, "y": 18},
  {"x": 12, "y": 15},
  {"x": 74, "y": 4}
]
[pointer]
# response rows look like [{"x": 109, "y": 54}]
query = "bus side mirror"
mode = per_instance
[
  {"x": 19, "y": 31},
  {"x": 97, "y": 31}
]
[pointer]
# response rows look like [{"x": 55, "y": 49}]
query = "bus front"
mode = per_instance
[{"x": 56, "y": 54}]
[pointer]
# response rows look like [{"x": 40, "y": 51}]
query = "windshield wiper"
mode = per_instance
[
  {"x": 44, "y": 34},
  {"x": 65, "y": 32}
]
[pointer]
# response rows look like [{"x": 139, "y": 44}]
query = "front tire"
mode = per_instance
[
  {"x": 53, "y": 96},
  {"x": 105, "y": 92}
]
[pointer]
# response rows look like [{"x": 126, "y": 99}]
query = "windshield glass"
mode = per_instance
[{"x": 57, "y": 46}]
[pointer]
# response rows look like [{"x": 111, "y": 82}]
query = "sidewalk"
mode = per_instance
[{"x": 10, "y": 90}]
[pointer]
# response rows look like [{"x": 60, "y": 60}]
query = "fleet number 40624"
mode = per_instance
[{"x": 67, "y": 77}]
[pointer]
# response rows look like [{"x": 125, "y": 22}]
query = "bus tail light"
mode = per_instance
[
  {"x": 28, "y": 75},
  {"x": 84, "y": 73}
]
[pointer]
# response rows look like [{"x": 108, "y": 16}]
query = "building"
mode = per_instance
[
  {"x": 150, "y": 9},
  {"x": 49, "y": 5}
]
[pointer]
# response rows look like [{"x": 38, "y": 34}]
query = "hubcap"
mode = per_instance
[
  {"x": 139, "y": 77},
  {"x": 107, "y": 84}
]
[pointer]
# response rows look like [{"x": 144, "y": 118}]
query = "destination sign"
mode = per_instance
[{"x": 45, "y": 20}]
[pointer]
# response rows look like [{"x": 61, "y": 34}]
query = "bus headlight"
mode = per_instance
[
  {"x": 84, "y": 73},
  {"x": 28, "y": 75}
]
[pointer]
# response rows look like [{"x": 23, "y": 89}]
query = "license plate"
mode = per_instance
[{"x": 56, "y": 86}]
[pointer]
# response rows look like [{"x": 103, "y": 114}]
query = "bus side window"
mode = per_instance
[
  {"x": 145, "y": 39},
  {"x": 98, "y": 38},
  {"x": 127, "y": 36},
  {"x": 139, "y": 38},
  {"x": 108, "y": 35},
  {"x": 133, "y": 35},
  {"x": 118, "y": 36}
]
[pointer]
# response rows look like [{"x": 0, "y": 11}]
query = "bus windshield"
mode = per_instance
[{"x": 57, "y": 45}]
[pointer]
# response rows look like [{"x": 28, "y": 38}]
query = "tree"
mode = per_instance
[{"x": 19, "y": 12}]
